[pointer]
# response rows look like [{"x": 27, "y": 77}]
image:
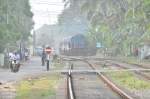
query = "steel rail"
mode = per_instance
[
  {"x": 102, "y": 76},
  {"x": 70, "y": 85},
  {"x": 120, "y": 92},
  {"x": 135, "y": 71}
]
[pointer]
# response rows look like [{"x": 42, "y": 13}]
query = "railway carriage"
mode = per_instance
[{"x": 76, "y": 45}]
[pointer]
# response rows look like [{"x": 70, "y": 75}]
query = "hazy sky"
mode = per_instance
[{"x": 46, "y": 11}]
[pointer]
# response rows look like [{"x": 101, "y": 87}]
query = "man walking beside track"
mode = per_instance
[
  {"x": 48, "y": 51},
  {"x": 43, "y": 57}
]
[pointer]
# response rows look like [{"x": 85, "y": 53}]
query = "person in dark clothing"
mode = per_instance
[{"x": 43, "y": 57}]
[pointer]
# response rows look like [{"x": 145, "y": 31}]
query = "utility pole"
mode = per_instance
[{"x": 34, "y": 42}]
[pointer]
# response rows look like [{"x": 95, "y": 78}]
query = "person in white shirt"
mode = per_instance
[
  {"x": 11, "y": 56},
  {"x": 14, "y": 58}
]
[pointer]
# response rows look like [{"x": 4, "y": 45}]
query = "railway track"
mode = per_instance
[
  {"x": 125, "y": 66},
  {"x": 117, "y": 60},
  {"x": 70, "y": 89},
  {"x": 142, "y": 74},
  {"x": 74, "y": 93},
  {"x": 123, "y": 94},
  {"x": 121, "y": 65}
]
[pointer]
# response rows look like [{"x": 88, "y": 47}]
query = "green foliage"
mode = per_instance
[
  {"x": 16, "y": 21},
  {"x": 117, "y": 23},
  {"x": 41, "y": 88}
]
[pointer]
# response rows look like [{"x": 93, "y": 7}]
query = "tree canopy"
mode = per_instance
[
  {"x": 119, "y": 24},
  {"x": 15, "y": 21}
]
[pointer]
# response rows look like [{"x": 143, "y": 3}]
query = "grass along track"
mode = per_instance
[{"x": 37, "y": 88}]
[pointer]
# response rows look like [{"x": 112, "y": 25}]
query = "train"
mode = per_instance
[{"x": 76, "y": 45}]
